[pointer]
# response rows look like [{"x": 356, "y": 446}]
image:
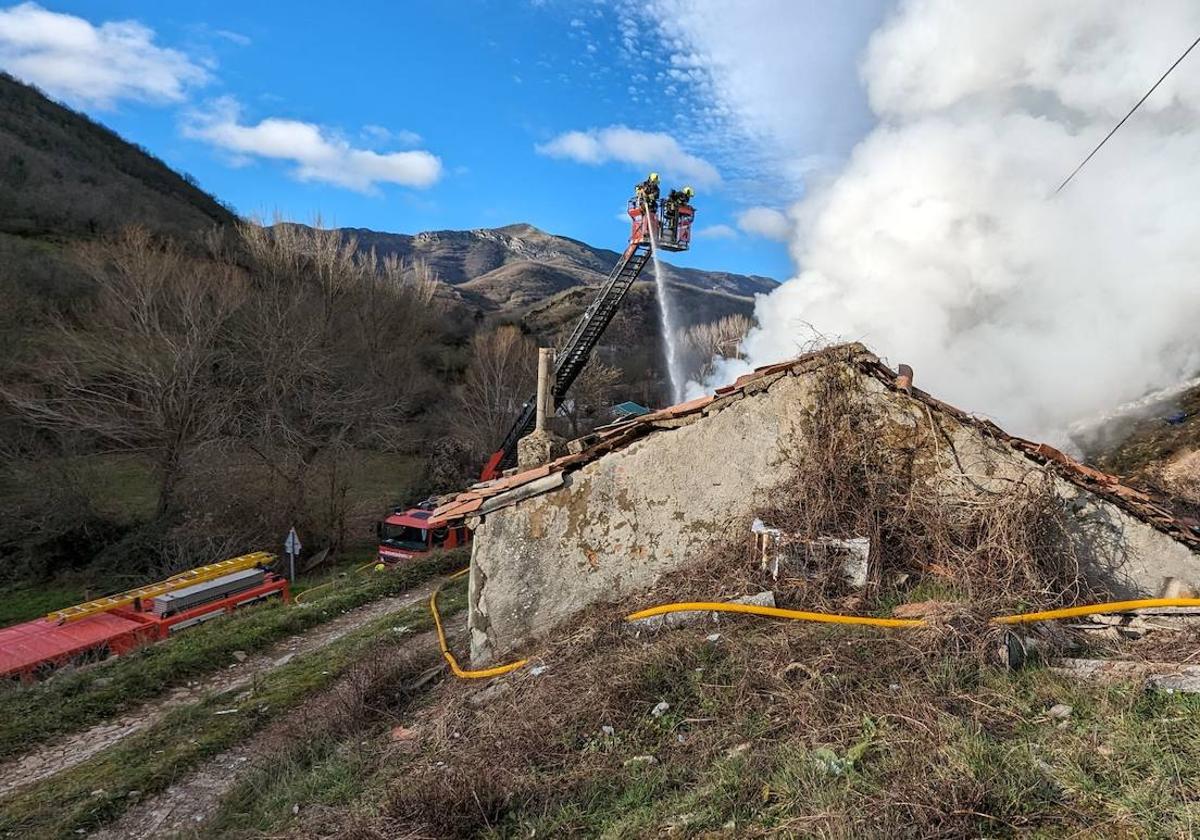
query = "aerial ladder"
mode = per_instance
[{"x": 662, "y": 226}]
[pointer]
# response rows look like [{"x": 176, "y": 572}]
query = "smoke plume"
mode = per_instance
[{"x": 941, "y": 242}]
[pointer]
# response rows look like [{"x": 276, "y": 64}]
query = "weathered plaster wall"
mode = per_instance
[
  {"x": 617, "y": 524},
  {"x": 625, "y": 519}
]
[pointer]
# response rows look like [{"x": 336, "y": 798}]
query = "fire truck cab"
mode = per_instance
[{"x": 406, "y": 533}]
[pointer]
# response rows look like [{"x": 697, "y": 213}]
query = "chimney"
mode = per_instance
[
  {"x": 544, "y": 398},
  {"x": 541, "y": 446}
]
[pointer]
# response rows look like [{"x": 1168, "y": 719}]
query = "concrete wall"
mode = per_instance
[{"x": 620, "y": 522}]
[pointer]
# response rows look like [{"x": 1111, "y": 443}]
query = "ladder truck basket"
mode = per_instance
[{"x": 672, "y": 225}]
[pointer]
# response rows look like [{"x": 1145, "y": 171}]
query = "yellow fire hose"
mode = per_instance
[
  {"x": 774, "y": 612},
  {"x": 1096, "y": 609},
  {"x": 834, "y": 618},
  {"x": 449, "y": 657}
]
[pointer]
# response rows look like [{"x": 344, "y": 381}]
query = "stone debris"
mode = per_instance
[
  {"x": 485, "y": 696},
  {"x": 778, "y": 549},
  {"x": 1164, "y": 676},
  {"x": 640, "y": 760},
  {"x": 660, "y": 709},
  {"x": 1059, "y": 711}
]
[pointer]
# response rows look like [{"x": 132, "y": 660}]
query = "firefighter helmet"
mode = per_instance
[{"x": 653, "y": 179}]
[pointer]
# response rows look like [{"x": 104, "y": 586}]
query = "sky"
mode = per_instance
[
  {"x": 479, "y": 113},
  {"x": 893, "y": 163}
]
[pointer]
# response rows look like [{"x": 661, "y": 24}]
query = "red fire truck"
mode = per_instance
[{"x": 406, "y": 533}]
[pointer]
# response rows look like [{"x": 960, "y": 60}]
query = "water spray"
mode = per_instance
[{"x": 665, "y": 315}]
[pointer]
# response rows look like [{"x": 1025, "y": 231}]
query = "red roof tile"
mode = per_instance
[{"x": 615, "y": 436}]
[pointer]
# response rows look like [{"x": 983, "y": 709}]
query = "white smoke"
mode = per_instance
[{"x": 941, "y": 243}]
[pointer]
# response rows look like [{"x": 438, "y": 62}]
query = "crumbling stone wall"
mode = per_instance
[{"x": 619, "y": 523}]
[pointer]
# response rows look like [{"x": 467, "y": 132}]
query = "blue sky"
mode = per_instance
[{"x": 429, "y": 115}]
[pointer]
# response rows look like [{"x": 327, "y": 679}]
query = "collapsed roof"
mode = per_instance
[{"x": 490, "y": 496}]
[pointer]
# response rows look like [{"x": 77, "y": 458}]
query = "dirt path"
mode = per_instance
[
  {"x": 64, "y": 753},
  {"x": 181, "y": 810}
]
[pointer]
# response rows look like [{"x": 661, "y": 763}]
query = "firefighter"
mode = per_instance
[
  {"x": 675, "y": 200},
  {"x": 678, "y": 198},
  {"x": 647, "y": 192}
]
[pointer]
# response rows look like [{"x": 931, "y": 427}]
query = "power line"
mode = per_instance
[{"x": 1127, "y": 116}]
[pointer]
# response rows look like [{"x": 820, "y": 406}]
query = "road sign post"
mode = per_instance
[{"x": 292, "y": 546}]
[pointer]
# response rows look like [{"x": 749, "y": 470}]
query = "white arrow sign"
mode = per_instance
[{"x": 292, "y": 544}]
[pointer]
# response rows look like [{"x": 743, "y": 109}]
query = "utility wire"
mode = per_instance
[{"x": 1127, "y": 116}]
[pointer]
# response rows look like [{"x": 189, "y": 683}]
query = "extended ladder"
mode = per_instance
[
  {"x": 575, "y": 352},
  {"x": 179, "y": 581}
]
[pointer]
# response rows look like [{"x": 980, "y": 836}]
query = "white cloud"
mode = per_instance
[
  {"x": 763, "y": 221},
  {"x": 234, "y": 37},
  {"x": 646, "y": 149},
  {"x": 379, "y": 135},
  {"x": 72, "y": 59},
  {"x": 319, "y": 154},
  {"x": 716, "y": 232}
]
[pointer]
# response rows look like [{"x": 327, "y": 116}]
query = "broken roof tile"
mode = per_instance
[{"x": 609, "y": 438}]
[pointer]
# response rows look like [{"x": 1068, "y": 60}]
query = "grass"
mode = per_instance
[
  {"x": 384, "y": 478},
  {"x": 119, "y": 485},
  {"x": 781, "y": 730},
  {"x": 72, "y": 701},
  {"x": 97, "y": 792},
  {"x": 325, "y": 771},
  {"x": 774, "y": 730},
  {"x": 27, "y": 602}
]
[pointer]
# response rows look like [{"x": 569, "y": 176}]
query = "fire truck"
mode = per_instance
[
  {"x": 117, "y": 624},
  {"x": 403, "y": 534}
]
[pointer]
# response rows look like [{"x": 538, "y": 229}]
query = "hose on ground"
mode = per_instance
[
  {"x": 774, "y": 612},
  {"x": 483, "y": 674},
  {"x": 1097, "y": 609},
  {"x": 835, "y": 618}
]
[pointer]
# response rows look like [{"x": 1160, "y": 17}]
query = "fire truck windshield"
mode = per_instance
[{"x": 403, "y": 536}]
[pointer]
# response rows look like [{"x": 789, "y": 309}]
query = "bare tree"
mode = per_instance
[
  {"x": 501, "y": 375},
  {"x": 705, "y": 344},
  {"x": 330, "y": 361},
  {"x": 143, "y": 371}
]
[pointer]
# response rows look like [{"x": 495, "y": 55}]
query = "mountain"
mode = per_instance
[
  {"x": 516, "y": 266},
  {"x": 61, "y": 174}
]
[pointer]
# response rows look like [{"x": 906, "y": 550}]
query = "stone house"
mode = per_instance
[{"x": 645, "y": 496}]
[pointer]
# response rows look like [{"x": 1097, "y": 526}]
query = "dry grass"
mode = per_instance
[{"x": 783, "y": 729}]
